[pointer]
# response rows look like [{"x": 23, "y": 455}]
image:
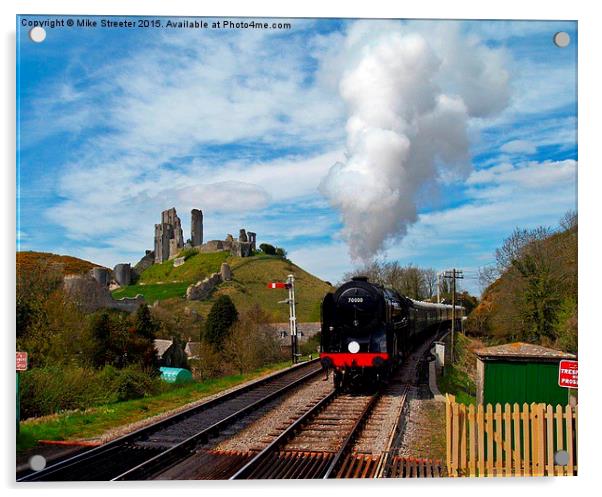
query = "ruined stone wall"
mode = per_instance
[
  {"x": 144, "y": 263},
  {"x": 212, "y": 246},
  {"x": 174, "y": 250},
  {"x": 252, "y": 238},
  {"x": 101, "y": 275},
  {"x": 202, "y": 289},
  {"x": 241, "y": 249},
  {"x": 122, "y": 274},
  {"x": 90, "y": 296}
]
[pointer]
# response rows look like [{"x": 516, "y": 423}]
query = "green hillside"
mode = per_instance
[
  {"x": 248, "y": 287},
  {"x": 534, "y": 298}
]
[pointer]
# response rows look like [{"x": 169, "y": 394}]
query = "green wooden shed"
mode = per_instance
[{"x": 520, "y": 372}]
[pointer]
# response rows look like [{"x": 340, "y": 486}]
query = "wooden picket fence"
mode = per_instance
[{"x": 508, "y": 441}]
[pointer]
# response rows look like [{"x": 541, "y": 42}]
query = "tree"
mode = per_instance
[
  {"x": 141, "y": 343},
  {"x": 280, "y": 252},
  {"x": 252, "y": 341},
  {"x": 532, "y": 291},
  {"x": 146, "y": 325},
  {"x": 101, "y": 334},
  {"x": 429, "y": 278},
  {"x": 222, "y": 316},
  {"x": 267, "y": 249}
]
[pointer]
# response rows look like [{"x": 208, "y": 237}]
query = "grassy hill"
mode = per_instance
[
  {"x": 248, "y": 287},
  {"x": 69, "y": 265}
]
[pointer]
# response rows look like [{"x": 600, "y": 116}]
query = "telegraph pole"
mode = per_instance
[{"x": 454, "y": 274}]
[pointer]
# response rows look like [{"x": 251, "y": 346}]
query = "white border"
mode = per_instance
[{"x": 590, "y": 27}]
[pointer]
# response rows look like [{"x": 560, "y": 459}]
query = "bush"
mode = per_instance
[
  {"x": 128, "y": 383},
  {"x": 311, "y": 346},
  {"x": 268, "y": 249},
  {"x": 52, "y": 389}
]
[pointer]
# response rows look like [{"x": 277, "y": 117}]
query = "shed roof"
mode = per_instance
[
  {"x": 161, "y": 345},
  {"x": 520, "y": 350}
]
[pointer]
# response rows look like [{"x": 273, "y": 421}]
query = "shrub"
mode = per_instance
[
  {"x": 131, "y": 383},
  {"x": 311, "y": 346},
  {"x": 268, "y": 249},
  {"x": 52, "y": 389}
]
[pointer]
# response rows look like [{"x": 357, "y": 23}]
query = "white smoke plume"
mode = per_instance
[{"x": 410, "y": 97}]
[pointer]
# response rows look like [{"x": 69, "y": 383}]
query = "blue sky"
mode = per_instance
[{"x": 116, "y": 125}]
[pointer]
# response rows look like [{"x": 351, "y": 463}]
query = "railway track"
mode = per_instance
[
  {"x": 316, "y": 443},
  {"x": 346, "y": 436},
  {"x": 141, "y": 454}
]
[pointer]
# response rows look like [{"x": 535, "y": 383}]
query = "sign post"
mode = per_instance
[{"x": 21, "y": 363}]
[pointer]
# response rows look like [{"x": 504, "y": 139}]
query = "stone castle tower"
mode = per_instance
[
  {"x": 169, "y": 238},
  {"x": 196, "y": 227}
]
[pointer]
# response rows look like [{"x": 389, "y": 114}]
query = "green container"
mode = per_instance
[
  {"x": 520, "y": 373},
  {"x": 175, "y": 375}
]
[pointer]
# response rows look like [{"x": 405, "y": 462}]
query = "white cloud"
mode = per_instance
[{"x": 519, "y": 147}]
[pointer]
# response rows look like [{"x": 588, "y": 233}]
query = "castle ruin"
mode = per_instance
[{"x": 169, "y": 238}]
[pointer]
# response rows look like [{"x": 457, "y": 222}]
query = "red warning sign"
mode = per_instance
[
  {"x": 567, "y": 374},
  {"x": 21, "y": 361}
]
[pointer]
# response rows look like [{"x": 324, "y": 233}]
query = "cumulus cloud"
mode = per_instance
[{"x": 409, "y": 98}]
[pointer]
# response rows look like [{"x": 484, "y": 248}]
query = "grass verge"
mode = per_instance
[
  {"x": 95, "y": 421},
  {"x": 459, "y": 378},
  {"x": 153, "y": 292}
]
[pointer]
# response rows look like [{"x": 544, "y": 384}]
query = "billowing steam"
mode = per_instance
[{"x": 409, "y": 103}]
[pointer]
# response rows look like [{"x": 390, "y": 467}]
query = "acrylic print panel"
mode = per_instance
[{"x": 295, "y": 248}]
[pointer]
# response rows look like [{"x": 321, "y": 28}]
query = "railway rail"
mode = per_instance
[
  {"x": 342, "y": 437},
  {"x": 316, "y": 443},
  {"x": 145, "y": 452}
]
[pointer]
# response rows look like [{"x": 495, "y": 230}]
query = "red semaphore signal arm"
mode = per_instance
[{"x": 278, "y": 284}]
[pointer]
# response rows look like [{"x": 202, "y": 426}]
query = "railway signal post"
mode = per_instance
[
  {"x": 290, "y": 285},
  {"x": 454, "y": 274}
]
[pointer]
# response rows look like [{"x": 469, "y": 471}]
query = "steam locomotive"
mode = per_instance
[{"x": 368, "y": 329}]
